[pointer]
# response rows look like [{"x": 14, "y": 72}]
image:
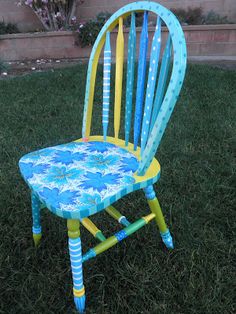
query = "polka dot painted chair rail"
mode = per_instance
[{"x": 79, "y": 179}]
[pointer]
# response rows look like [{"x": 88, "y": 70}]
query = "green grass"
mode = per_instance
[{"x": 139, "y": 275}]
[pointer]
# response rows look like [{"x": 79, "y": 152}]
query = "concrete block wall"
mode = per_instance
[
  {"x": 216, "y": 42},
  {"x": 27, "y": 21},
  {"x": 91, "y": 8},
  {"x": 22, "y": 16}
]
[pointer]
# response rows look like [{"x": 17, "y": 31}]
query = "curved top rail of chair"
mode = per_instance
[{"x": 176, "y": 79}]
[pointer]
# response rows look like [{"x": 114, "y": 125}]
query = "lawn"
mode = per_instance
[{"x": 196, "y": 191}]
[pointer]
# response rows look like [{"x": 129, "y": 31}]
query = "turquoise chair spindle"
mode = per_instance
[
  {"x": 79, "y": 179},
  {"x": 141, "y": 79},
  {"x": 152, "y": 75},
  {"x": 165, "y": 64},
  {"x": 130, "y": 77}
]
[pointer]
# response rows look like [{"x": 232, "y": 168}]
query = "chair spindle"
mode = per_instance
[
  {"x": 153, "y": 68},
  {"x": 141, "y": 79},
  {"x": 165, "y": 65},
  {"x": 106, "y": 84},
  {"x": 130, "y": 77},
  {"x": 119, "y": 76}
]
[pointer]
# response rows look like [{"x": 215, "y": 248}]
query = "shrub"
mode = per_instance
[
  {"x": 87, "y": 32},
  {"x": 194, "y": 16},
  {"x": 54, "y": 14},
  {"x": 191, "y": 16},
  {"x": 215, "y": 18},
  {"x": 8, "y": 28}
]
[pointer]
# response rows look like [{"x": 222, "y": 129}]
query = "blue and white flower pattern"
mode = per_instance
[{"x": 78, "y": 175}]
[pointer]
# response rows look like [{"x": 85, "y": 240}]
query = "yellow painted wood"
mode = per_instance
[
  {"x": 37, "y": 238},
  {"x": 149, "y": 217},
  {"x": 90, "y": 226},
  {"x": 113, "y": 212},
  {"x": 119, "y": 76},
  {"x": 156, "y": 209},
  {"x": 73, "y": 226},
  {"x": 78, "y": 293}
]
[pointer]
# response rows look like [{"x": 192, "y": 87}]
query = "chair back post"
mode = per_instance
[{"x": 150, "y": 123}]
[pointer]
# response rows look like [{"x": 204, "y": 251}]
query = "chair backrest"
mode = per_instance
[{"x": 155, "y": 99}]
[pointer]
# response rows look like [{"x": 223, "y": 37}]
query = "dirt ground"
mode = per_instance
[{"x": 18, "y": 68}]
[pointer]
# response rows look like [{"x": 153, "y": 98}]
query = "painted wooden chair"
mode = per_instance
[{"x": 81, "y": 178}]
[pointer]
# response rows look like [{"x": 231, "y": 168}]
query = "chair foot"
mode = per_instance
[
  {"x": 37, "y": 235},
  {"x": 167, "y": 239},
  {"x": 80, "y": 304},
  {"x": 36, "y": 229}
]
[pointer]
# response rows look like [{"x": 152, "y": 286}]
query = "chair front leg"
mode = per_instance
[
  {"x": 36, "y": 229},
  {"x": 156, "y": 209},
  {"x": 76, "y": 263}
]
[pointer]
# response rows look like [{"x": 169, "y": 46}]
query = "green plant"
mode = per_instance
[
  {"x": 87, "y": 32},
  {"x": 191, "y": 16},
  {"x": 215, "y": 18},
  {"x": 8, "y": 28},
  {"x": 194, "y": 16},
  {"x": 54, "y": 14}
]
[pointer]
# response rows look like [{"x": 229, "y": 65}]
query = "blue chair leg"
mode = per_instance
[
  {"x": 156, "y": 209},
  {"x": 76, "y": 264},
  {"x": 36, "y": 229}
]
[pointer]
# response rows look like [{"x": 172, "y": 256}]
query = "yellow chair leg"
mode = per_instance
[{"x": 156, "y": 209}]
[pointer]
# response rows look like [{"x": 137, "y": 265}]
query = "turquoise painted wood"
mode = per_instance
[
  {"x": 141, "y": 79},
  {"x": 77, "y": 271},
  {"x": 130, "y": 77},
  {"x": 165, "y": 65},
  {"x": 106, "y": 84},
  {"x": 152, "y": 75},
  {"x": 36, "y": 205}
]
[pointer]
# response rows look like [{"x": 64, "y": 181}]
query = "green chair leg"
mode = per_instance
[
  {"x": 36, "y": 229},
  {"x": 156, "y": 209},
  {"x": 76, "y": 263}
]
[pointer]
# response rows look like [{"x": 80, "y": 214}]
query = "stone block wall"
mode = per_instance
[{"x": 27, "y": 21}]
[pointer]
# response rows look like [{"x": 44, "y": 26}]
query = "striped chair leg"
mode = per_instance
[
  {"x": 36, "y": 229},
  {"x": 156, "y": 209},
  {"x": 76, "y": 263}
]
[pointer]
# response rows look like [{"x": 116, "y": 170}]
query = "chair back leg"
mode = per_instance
[
  {"x": 160, "y": 220},
  {"x": 76, "y": 263},
  {"x": 36, "y": 228}
]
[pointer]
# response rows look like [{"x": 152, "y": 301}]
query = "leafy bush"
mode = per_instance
[
  {"x": 54, "y": 14},
  {"x": 194, "y": 16},
  {"x": 8, "y": 28},
  {"x": 191, "y": 16},
  {"x": 215, "y": 18},
  {"x": 87, "y": 32}
]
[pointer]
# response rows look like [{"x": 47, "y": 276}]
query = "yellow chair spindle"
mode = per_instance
[{"x": 119, "y": 76}]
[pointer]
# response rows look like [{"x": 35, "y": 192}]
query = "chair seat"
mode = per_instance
[{"x": 78, "y": 179}]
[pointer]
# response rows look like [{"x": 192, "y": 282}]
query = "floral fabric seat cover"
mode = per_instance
[{"x": 78, "y": 176}]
